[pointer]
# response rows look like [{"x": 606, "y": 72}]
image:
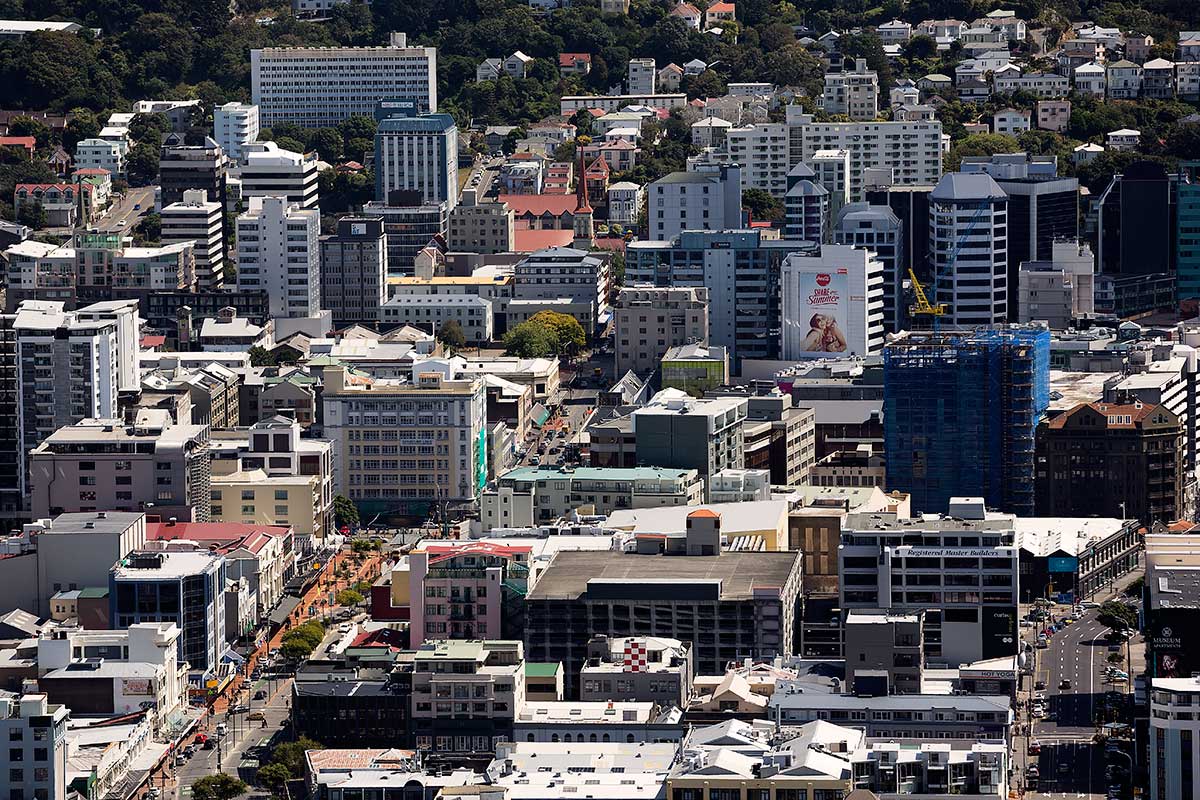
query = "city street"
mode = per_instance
[{"x": 124, "y": 214}]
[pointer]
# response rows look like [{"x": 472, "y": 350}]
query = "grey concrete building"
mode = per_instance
[
  {"x": 637, "y": 668},
  {"x": 675, "y": 430},
  {"x": 78, "y": 550},
  {"x": 354, "y": 271},
  {"x": 102, "y": 464},
  {"x": 483, "y": 228},
  {"x": 901, "y": 716},
  {"x": 34, "y": 760},
  {"x": 728, "y": 605},
  {"x": 648, "y": 320},
  {"x": 884, "y": 653}
]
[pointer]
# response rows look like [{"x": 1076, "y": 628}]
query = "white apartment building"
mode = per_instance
[
  {"x": 1046, "y": 85},
  {"x": 34, "y": 764},
  {"x": 270, "y": 171},
  {"x": 412, "y": 440},
  {"x": 234, "y": 126},
  {"x": 831, "y": 169},
  {"x": 70, "y": 366},
  {"x": 162, "y": 267},
  {"x": 624, "y": 201},
  {"x": 692, "y": 201},
  {"x": 1091, "y": 79},
  {"x": 101, "y": 154},
  {"x": 1174, "y": 738},
  {"x": 960, "y": 569},
  {"x": 1059, "y": 290},
  {"x": 832, "y": 303},
  {"x": 643, "y": 76},
  {"x": 761, "y": 150},
  {"x": 279, "y": 251},
  {"x": 878, "y": 229},
  {"x": 321, "y": 86},
  {"x": 140, "y": 663},
  {"x": 1124, "y": 80},
  {"x": 854, "y": 93},
  {"x": 911, "y": 150},
  {"x": 649, "y": 320},
  {"x": 474, "y": 314},
  {"x": 198, "y": 220},
  {"x": 968, "y": 240},
  {"x": 1010, "y": 121}
]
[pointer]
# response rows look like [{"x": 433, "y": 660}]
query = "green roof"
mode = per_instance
[
  {"x": 550, "y": 472},
  {"x": 542, "y": 669},
  {"x": 93, "y": 592}
]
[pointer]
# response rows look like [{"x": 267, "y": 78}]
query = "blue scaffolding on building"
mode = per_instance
[{"x": 961, "y": 410}]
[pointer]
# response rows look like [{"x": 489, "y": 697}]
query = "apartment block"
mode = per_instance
[
  {"x": 630, "y": 669},
  {"x": 648, "y": 320},
  {"x": 694, "y": 201},
  {"x": 485, "y": 228},
  {"x": 321, "y": 86},
  {"x": 465, "y": 696},
  {"x": 35, "y": 761},
  {"x": 676, "y": 430},
  {"x": 968, "y": 238},
  {"x": 1174, "y": 732},
  {"x": 398, "y": 440},
  {"x": 102, "y": 464},
  {"x": 854, "y": 92},
  {"x": 912, "y": 151},
  {"x": 429, "y": 312},
  {"x": 234, "y": 126},
  {"x": 761, "y": 150},
  {"x": 278, "y": 250},
  {"x": 879, "y": 230},
  {"x": 579, "y": 276},
  {"x": 268, "y": 170},
  {"x": 643, "y": 76},
  {"x": 354, "y": 271},
  {"x": 530, "y": 496},
  {"x": 71, "y": 366},
  {"x": 201, "y": 221},
  {"x": 832, "y": 302}
]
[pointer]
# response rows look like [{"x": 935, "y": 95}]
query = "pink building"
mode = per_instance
[{"x": 462, "y": 590}]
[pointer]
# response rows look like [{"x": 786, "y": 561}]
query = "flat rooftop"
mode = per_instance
[{"x": 568, "y": 574}]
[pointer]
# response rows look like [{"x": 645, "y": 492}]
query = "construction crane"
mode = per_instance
[
  {"x": 937, "y": 310},
  {"x": 923, "y": 306}
]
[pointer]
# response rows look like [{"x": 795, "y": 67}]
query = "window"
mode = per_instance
[
  {"x": 247, "y": 494},
  {"x": 281, "y": 494}
]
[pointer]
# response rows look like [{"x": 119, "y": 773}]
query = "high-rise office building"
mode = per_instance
[
  {"x": 321, "y": 86},
  {"x": 960, "y": 413},
  {"x": 878, "y": 229},
  {"x": 183, "y": 167},
  {"x": 968, "y": 241},
  {"x": 278, "y": 250},
  {"x": 1136, "y": 222},
  {"x": 354, "y": 271},
  {"x": 806, "y": 206},
  {"x": 832, "y": 303},
  {"x": 1187, "y": 231},
  {"x": 195, "y": 218},
  {"x": 740, "y": 269},
  {"x": 417, "y": 152}
]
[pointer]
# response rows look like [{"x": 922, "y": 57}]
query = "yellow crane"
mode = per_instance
[{"x": 923, "y": 306}]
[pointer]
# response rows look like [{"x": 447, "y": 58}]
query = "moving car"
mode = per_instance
[{"x": 257, "y": 716}]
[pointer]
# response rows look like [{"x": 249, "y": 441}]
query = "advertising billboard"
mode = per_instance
[
  {"x": 999, "y": 631},
  {"x": 823, "y": 311},
  {"x": 1063, "y": 564}
]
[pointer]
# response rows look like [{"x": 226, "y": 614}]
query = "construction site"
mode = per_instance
[{"x": 961, "y": 409}]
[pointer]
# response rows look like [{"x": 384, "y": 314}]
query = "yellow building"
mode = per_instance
[{"x": 754, "y": 525}]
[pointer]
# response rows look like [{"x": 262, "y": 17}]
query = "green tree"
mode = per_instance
[
  {"x": 569, "y": 336},
  {"x": 142, "y": 164},
  {"x": 273, "y": 777},
  {"x": 262, "y": 357},
  {"x": 290, "y": 755},
  {"x": 218, "y": 787},
  {"x": 149, "y": 128},
  {"x": 327, "y": 142},
  {"x": 82, "y": 125},
  {"x": 349, "y": 597},
  {"x": 1118, "y": 616},
  {"x": 762, "y": 205},
  {"x": 450, "y": 334},
  {"x": 28, "y": 126},
  {"x": 979, "y": 144},
  {"x": 358, "y": 126},
  {"x": 345, "y": 513},
  {"x": 33, "y": 215},
  {"x": 150, "y": 228},
  {"x": 529, "y": 340}
]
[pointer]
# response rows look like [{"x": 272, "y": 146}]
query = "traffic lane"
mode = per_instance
[
  {"x": 125, "y": 214},
  {"x": 1071, "y": 767}
]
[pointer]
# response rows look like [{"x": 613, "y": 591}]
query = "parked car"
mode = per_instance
[
  {"x": 222, "y": 729},
  {"x": 1064, "y": 684},
  {"x": 261, "y": 694},
  {"x": 257, "y": 716}
]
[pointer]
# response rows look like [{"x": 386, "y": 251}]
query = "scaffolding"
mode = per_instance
[{"x": 961, "y": 410}]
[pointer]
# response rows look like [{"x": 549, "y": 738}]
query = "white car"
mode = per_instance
[
  {"x": 1089, "y": 604},
  {"x": 345, "y": 627}
]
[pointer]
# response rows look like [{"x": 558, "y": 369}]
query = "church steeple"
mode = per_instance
[{"x": 584, "y": 229}]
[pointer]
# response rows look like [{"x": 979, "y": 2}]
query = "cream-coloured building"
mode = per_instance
[
  {"x": 414, "y": 440},
  {"x": 267, "y": 475},
  {"x": 482, "y": 228}
]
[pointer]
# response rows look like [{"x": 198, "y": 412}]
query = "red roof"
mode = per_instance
[
  {"x": 91, "y": 171},
  {"x": 721, "y": 8},
  {"x": 28, "y": 142},
  {"x": 530, "y": 241},
  {"x": 685, "y": 10},
  {"x": 153, "y": 341},
  {"x": 442, "y": 552},
  {"x": 706, "y": 513},
  {"x": 226, "y": 535},
  {"x": 538, "y": 204},
  {"x": 571, "y": 59},
  {"x": 383, "y": 637},
  {"x": 616, "y": 244},
  {"x": 35, "y": 186}
]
